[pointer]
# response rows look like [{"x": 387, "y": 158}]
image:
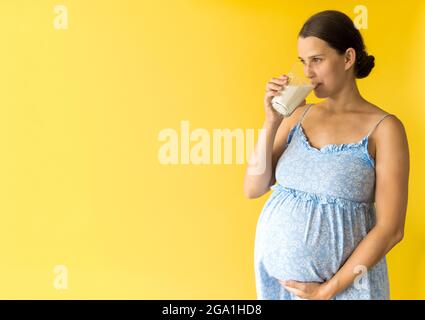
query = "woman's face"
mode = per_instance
[{"x": 324, "y": 66}]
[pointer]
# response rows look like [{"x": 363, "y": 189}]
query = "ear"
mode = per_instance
[{"x": 349, "y": 58}]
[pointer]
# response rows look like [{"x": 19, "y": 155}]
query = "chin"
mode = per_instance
[{"x": 321, "y": 93}]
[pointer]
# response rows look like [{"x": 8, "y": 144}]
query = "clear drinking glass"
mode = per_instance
[{"x": 297, "y": 89}]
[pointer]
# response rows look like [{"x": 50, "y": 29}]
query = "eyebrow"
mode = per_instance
[{"x": 313, "y": 56}]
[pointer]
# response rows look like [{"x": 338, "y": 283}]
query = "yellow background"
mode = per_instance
[{"x": 81, "y": 110}]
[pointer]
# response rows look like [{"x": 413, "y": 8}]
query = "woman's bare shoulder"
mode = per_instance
[
  {"x": 374, "y": 110},
  {"x": 379, "y": 113},
  {"x": 297, "y": 114},
  {"x": 388, "y": 127},
  {"x": 287, "y": 124}
]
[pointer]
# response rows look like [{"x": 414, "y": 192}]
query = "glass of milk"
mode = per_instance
[{"x": 297, "y": 89}]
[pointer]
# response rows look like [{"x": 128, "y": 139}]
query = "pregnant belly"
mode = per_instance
[{"x": 303, "y": 245}]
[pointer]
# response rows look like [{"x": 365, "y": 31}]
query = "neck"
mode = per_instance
[{"x": 346, "y": 100}]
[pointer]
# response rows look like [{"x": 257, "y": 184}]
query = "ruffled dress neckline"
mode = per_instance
[{"x": 329, "y": 148}]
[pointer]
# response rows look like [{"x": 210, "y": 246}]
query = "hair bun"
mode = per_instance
[{"x": 364, "y": 65}]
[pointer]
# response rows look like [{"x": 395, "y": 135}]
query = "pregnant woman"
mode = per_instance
[{"x": 339, "y": 174}]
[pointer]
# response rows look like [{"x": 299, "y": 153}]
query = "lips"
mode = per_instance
[{"x": 316, "y": 85}]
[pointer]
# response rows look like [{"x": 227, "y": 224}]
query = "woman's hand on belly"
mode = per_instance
[{"x": 308, "y": 290}]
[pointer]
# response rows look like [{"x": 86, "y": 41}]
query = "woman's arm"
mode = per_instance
[
  {"x": 259, "y": 170},
  {"x": 391, "y": 193},
  {"x": 270, "y": 145}
]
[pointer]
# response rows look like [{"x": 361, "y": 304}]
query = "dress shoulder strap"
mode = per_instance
[
  {"x": 304, "y": 113},
  {"x": 376, "y": 125}
]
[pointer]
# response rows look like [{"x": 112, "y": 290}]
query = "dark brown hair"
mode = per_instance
[{"x": 338, "y": 30}]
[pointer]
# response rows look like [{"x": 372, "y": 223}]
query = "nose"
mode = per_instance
[{"x": 309, "y": 72}]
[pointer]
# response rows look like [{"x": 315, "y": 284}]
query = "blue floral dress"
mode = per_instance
[{"x": 321, "y": 207}]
